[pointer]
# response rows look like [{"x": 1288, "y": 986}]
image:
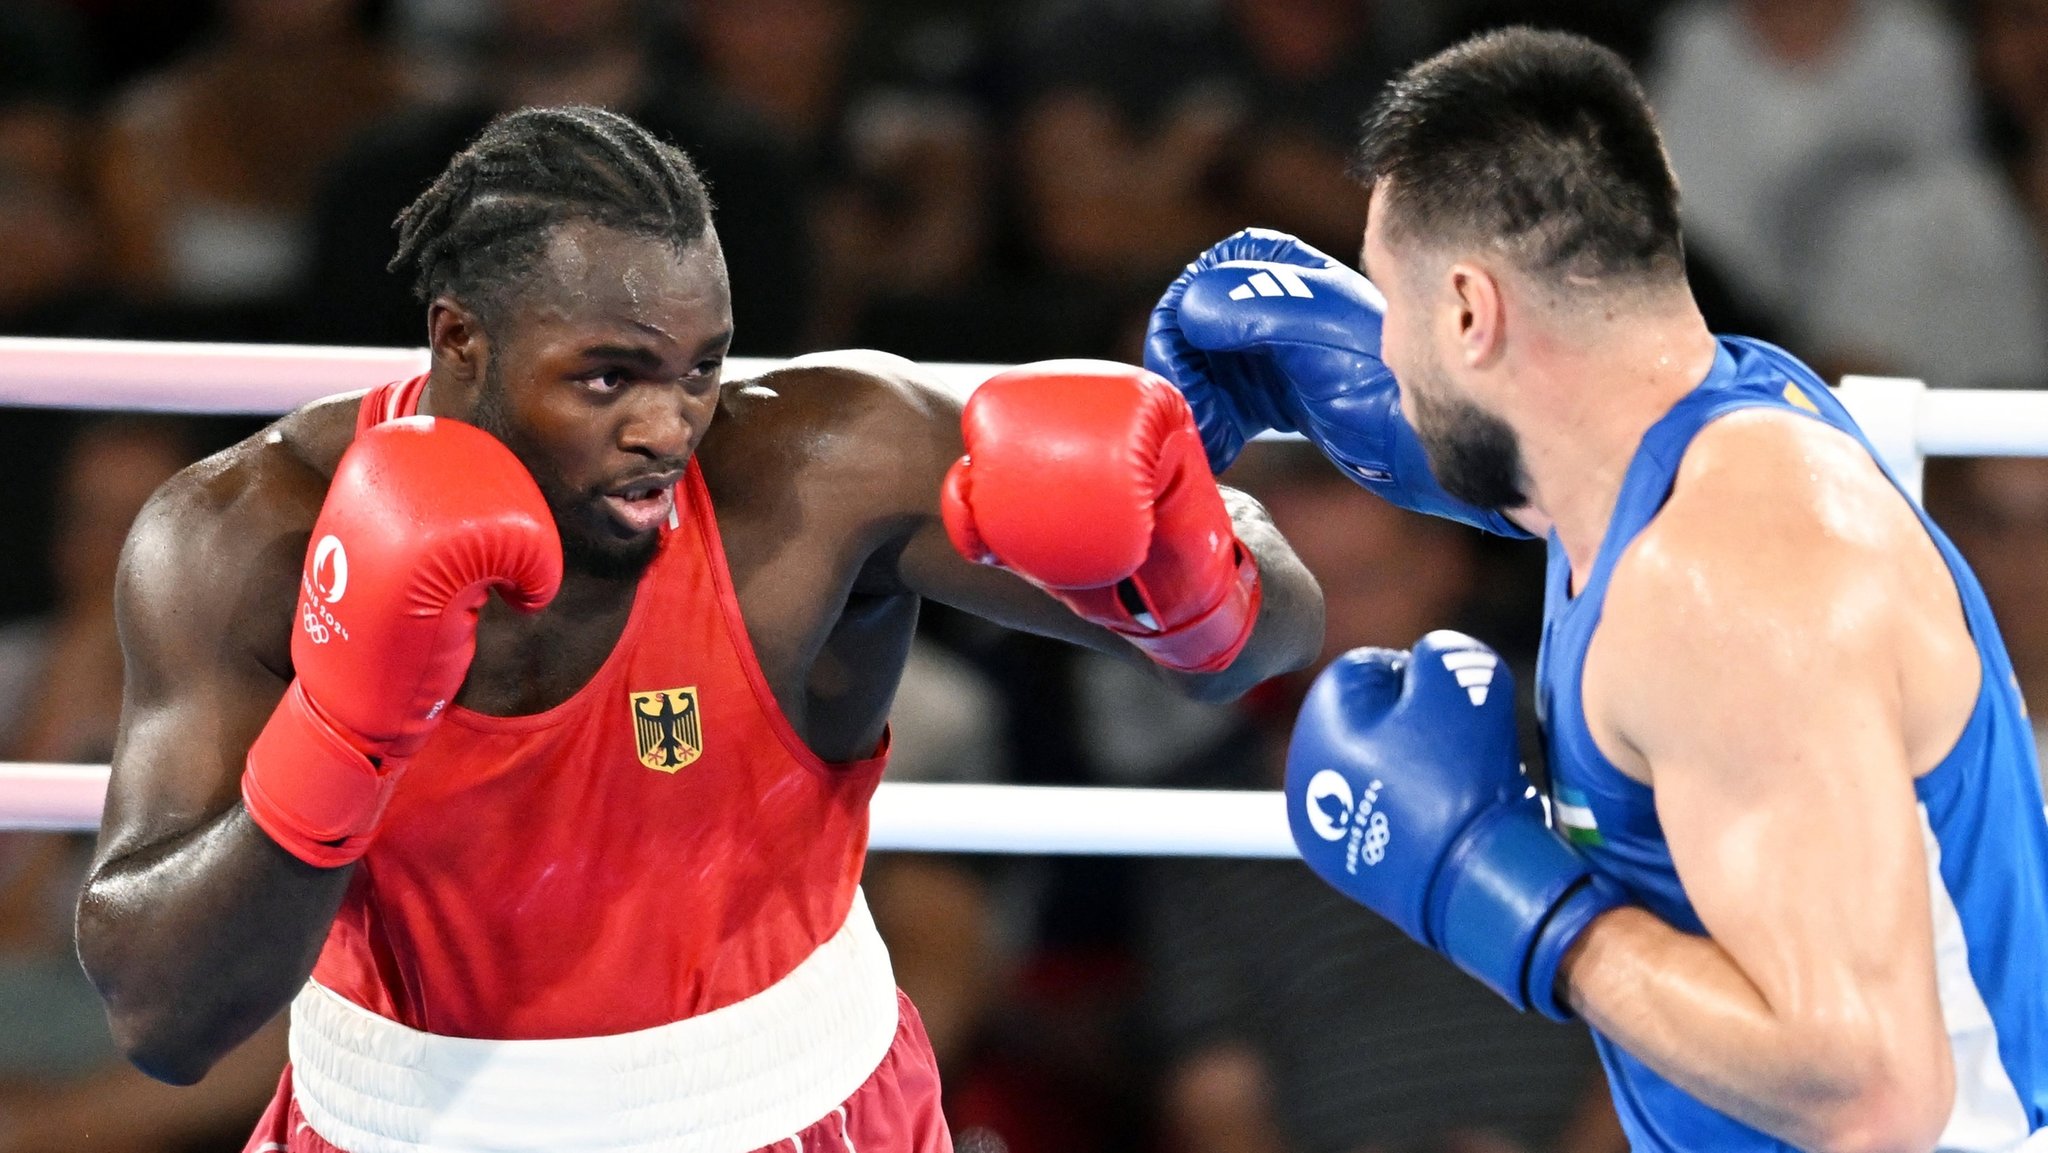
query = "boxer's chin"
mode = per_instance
[
  {"x": 1474, "y": 454},
  {"x": 605, "y": 553},
  {"x": 595, "y": 541},
  {"x": 1480, "y": 465}
]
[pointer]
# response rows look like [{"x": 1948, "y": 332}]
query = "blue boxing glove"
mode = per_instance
[
  {"x": 1264, "y": 332},
  {"x": 1404, "y": 791}
]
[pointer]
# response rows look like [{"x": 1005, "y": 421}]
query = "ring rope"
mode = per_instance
[
  {"x": 1905, "y": 419},
  {"x": 911, "y": 816}
]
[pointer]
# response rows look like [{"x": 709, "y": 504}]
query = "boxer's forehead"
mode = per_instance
[{"x": 592, "y": 276}]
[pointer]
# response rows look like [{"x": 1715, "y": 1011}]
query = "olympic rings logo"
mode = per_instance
[
  {"x": 1374, "y": 847},
  {"x": 1369, "y": 830},
  {"x": 320, "y": 624}
]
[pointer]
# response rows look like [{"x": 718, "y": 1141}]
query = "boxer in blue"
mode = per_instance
[{"x": 1805, "y": 902}]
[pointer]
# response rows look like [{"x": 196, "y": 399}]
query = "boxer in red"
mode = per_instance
[{"x": 576, "y": 865}]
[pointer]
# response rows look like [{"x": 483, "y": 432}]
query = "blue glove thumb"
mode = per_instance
[
  {"x": 1320, "y": 326},
  {"x": 1235, "y": 398}
]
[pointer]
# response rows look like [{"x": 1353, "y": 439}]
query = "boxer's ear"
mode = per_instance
[
  {"x": 459, "y": 346},
  {"x": 1480, "y": 314}
]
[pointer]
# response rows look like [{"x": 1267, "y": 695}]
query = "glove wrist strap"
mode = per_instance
[
  {"x": 1510, "y": 900},
  {"x": 1566, "y": 923},
  {"x": 311, "y": 790},
  {"x": 1211, "y": 640}
]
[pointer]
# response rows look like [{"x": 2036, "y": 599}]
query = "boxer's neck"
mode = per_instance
[{"x": 1587, "y": 407}]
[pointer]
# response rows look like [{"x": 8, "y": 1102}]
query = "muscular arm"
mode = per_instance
[
  {"x": 196, "y": 927},
  {"x": 1285, "y": 636},
  {"x": 1760, "y": 669}
]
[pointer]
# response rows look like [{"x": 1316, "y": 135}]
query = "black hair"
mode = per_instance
[
  {"x": 477, "y": 231},
  {"x": 1542, "y": 141}
]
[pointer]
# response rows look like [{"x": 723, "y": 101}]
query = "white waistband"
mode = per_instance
[{"x": 728, "y": 1081}]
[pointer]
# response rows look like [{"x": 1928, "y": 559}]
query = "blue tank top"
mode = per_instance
[{"x": 1985, "y": 823}]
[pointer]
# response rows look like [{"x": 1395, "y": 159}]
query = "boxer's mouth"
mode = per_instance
[{"x": 641, "y": 505}]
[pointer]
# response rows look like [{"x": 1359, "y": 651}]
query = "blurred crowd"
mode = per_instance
[{"x": 1865, "y": 181}]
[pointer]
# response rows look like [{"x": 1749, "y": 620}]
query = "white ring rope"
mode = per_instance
[
  {"x": 166, "y": 376},
  {"x": 908, "y": 816},
  {"x": 260, "y": 379},
  {"x": 1904, "y": 419}
]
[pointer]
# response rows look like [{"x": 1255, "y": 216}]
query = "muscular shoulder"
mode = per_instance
[
  {"x": 216, "y": 551},
  {"x": 272, "y": 481},
  {"x": 1771, "y": 513},
  {"x": 854, "y": 423},
  {"x": 1782, "y": 560},
  {"x": 842, "y": 403}
]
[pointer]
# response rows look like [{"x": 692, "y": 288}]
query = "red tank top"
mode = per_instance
[{"x": 657, "y": 846}]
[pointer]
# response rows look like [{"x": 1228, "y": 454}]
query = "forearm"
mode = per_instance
[
  {"x": 1681, "y": 1005},
  {"x": 197, "y": 940},
  {"x": 1289, "y": 629}
]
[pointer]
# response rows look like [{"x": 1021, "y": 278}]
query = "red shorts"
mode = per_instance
[{"x": 895, "y": 1111}]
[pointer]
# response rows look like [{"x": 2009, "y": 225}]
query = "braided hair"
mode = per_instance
[{"x": 476, "y": 233}]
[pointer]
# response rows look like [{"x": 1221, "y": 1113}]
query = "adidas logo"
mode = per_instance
[
  {"x": 1276, "y": 280},
  {"x": 1474, "y": 671}
]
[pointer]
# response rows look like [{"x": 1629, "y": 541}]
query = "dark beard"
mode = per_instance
[
  {"x": 587, "y": 545},
  {"x": 1474, "y": 454}
]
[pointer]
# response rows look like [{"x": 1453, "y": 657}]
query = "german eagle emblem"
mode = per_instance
[{"x": 666, "y": 731}]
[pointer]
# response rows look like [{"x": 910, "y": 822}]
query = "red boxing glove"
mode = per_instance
[
  {"x": 1087, "y": 478},
  {"x": 424, "y": 517}
]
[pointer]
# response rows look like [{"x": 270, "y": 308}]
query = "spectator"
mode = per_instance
[
  {"x": 49, "y": 256},
  {"x": 1937, "y": 275},
  {"x": 2012, "y": 71},
  {"x": 555, "y": 52},
  {"x": 1769, "y": 106},
  {"x": 58, "y": 674},
  {"x": 1292, "y": 1022},
  {"x": 1628, "y": 27},
  {"x": 1131, "y": 140},
  {"x": 893, "y": 152},
  {"x": 1824, "y": 150},
  {"x": 1303, "y": 72},
  {"x": 61, "y": 1080},
  {"x": 909, "y": 230},
  {"x": 1248, "y": 115},
  {"x": 441, "y": 44},
  {"x": 787, "y": 63},
  {"x": 1143, "y": 139},
  {"x": 208, "y": 168}
]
